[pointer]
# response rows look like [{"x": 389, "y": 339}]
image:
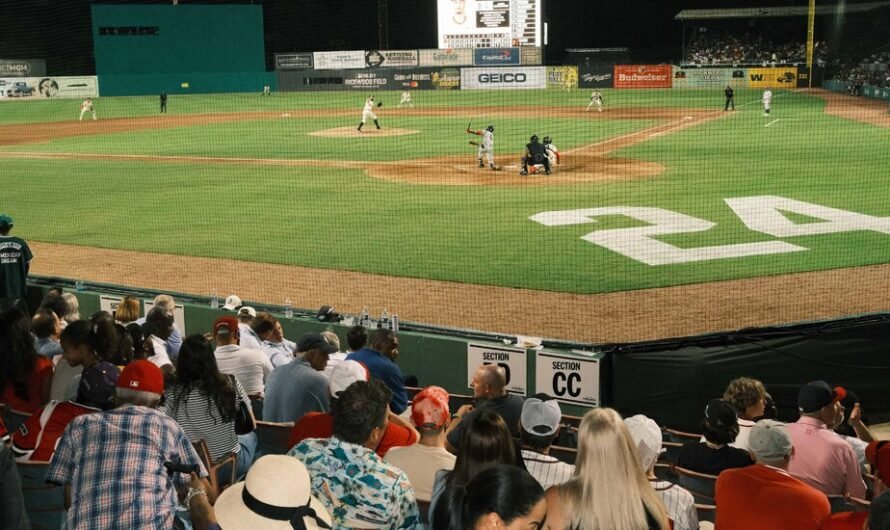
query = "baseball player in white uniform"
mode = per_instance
[
  {"x": 767, "y": 98},
  {"x": 595, "y": 99},
  {"x": 87, "y": 106},
  {"x": 552, "y": 151},
  {"x": 486, "y": 146},
  {"x": 368, "y": 113},
  {"x": 406, "y": 100}
]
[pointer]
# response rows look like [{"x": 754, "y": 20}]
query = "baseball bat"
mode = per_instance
[{"x": 469, "y": 124}]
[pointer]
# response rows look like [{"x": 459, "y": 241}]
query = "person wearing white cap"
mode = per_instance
[
  {"x": 248, "y": 338},
  {"x": 680, "y": 503},
  {"x": 233, "y": 302},
  {"x": 276, "y": 494},
  {"x": 764, "y": 495},
  {"x": 539, "y": 424}
]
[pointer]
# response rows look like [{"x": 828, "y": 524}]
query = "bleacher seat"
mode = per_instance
[
  {"x": 839, "y": 504},
  {"x": 706, "y": 512},
  {"x": 859, "y": 505},
  {"x": 45, "y": 503},
  {"x": 681, "y": 437},
  {"x": 272, "y": 438},
  {"x": 564, "y": 454},
  {"x": 222, "y": 473},
  {"x": 13, "y": 419},
  {"x": 701, "y": 485}
]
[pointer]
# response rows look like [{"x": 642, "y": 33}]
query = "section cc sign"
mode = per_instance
[{"x": 573, "y": 380}]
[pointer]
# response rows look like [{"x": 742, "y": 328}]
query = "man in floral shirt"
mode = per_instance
[{"x": 356, "y": 486}]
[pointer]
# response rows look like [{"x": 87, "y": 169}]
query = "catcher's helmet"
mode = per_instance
[
  {"x": 534, "y": 138},
  {"x": 490, "y": 128},
  {"x": 547, "y": 140}
]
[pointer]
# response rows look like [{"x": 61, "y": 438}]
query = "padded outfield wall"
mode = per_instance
[{"x": 180, "y": 49}]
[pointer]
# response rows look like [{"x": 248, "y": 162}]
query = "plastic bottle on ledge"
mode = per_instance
[
  {"x": 214, "y": 299},
  {"x": 288, "y": 308},
  {"x": 365, "y": 320},
  {"x": 384, "y": 319},
  {"x": 394, "y": 323}
]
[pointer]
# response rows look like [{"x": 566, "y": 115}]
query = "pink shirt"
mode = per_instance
[{"x": 823, "y": 459}]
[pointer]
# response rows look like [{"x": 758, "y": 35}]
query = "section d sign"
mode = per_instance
[
  {"x": 511, "y": 78},
  {"x": 511, "y": 360},
  {"x": 567, "y": 379},
  {"x": 495, "y": 56}
]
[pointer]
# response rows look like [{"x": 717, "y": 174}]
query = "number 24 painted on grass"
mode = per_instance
[{"x": 761, "y": 214}]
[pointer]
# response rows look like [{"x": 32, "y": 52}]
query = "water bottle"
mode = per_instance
[
  {"x": 288, "y": 308},
  {"x": 78, "y": 286},
  {"x": 395, "y": 323},
  {"x": 365, "y": 320},
  {"x": 214, "y": 299},
  {"x": 384, "y": 319}
]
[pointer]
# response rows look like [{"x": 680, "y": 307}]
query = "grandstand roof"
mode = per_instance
[{"x": 775, "y": 12}]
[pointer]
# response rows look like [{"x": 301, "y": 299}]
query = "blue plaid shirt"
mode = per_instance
[
  {"x": 114, "y": 463},
  {"x": 358, "y": 488}
]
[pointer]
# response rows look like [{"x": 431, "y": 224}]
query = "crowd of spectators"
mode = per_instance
[
  {"x": 725, "y": 48},
  {"x": 362, "y": 454},
  {"x": 873, "y": 70}
]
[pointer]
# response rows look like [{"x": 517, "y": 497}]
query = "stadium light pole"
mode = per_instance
[
  {"x": 811, "y": 22},
  {"x": 383, "y": 24}
]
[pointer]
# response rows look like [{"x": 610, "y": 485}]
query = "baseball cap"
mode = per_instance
[
  {"x": 435, "y": 391},
  {"x": 232, "y": 302},
  {"x": 311, "y": 341},
  {"x": 225, "y": 325},
  {"x": 540, "y": 416},
  {"x": 428, "y": 411},
  {"x": 769, "y": 441},
  {"x": 647, "y": 436},
  {"x": 878, "y": 455},
  {"x": 344, "y": 374},
  {"x": 817, "y": 394},
  {"x": 142, "y": 375},
  {"x": 5, "y": 220},
  {"x": 326, "y": 313},
  {"x": 97, "y": 384},
  {"x": 720, "y": 413},
  {"x": 247, "y": 310}
]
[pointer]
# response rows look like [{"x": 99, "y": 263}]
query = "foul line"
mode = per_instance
[{"x": 772, "y": 122}]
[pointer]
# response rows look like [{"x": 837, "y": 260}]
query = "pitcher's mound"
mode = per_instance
[{"x": 352, "y": 132}]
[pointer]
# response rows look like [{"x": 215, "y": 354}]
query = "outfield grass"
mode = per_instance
[{"x": 342, "y": 219}]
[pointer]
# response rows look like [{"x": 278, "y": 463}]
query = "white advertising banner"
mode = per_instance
[
  {"x": 375, "y": 58},
  {"x": 572, "y": 380},
  {"x": 451, "y": 57},
  {"x": 504, "y": 77},
  {"x": 489, "y": 23},
  {"x": 109, "y": 303},
  {"x": 24, "y": 88},
  {"x": 338, "y": 60},
  {"x": 512, "y": 360}
]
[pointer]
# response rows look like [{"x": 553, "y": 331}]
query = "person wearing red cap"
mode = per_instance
[
  {"x": 421, "y": 461},
  {"x": 112, "y": 463},
  {"x": 821, "y": 458}
]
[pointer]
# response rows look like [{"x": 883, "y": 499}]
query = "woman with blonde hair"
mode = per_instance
[
  {"x": 127, "y": 311},
  {"x": 609, "y": 489},
  {"x": 748, "y": 397}
]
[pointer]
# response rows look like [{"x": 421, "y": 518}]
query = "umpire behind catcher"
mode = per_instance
[{"x": 535, "y": 153}]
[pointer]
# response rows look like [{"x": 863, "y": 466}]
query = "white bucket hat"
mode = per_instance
[{"x": 276, "y": 491}]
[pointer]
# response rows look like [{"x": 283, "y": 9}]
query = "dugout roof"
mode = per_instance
[{"x": 775, "y": 12}]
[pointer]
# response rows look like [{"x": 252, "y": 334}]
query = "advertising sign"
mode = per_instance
[
  {"x": 708, "y": 77},
  {"x": 495, "y": 56},
  {"x": 425, "y": 78},
  {"x": 293, "y": 61},
  {"x": 25, "y": 88},
  {"x": 338, "y": 60},
  {"x": 643, "y": 76},
  {"x": 504, "y": 78},
  {"x": 562, "y": 77},
  {"x": 572, "y": 380},
  {"x": 448, "y": 57},
  {"x": 489, "y": 23},
  {"x": 511, "y": 360},
  {"x": 22, "y": 67},
  {"x": 595, "y": 76},
  {"x": 530, "y": 55},
  {"x": 783, "y": 77},
  {"x": 375, "y": 58},
  {"x": 367, "y": 80}
]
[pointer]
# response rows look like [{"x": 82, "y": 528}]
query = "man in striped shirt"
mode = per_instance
[{"x": 539, "y": 423}]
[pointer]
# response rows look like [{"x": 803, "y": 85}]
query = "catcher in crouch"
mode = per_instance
[
  {"x": 486, "y": 146},
  {"x": 535, "y": 154}
]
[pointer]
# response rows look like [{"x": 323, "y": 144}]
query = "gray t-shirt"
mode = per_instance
[{"x": 293, "y": 390}]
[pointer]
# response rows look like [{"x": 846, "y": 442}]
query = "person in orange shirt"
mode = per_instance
[
  {"x": 25, "y": 376},
  {"x": 765, "y": 496}
]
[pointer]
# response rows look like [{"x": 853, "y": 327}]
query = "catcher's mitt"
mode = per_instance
[{"x": 379, "y": 103}]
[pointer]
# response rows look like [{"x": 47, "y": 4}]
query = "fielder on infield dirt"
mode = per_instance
[
  {"x": 486, "y": 146},
  {"x": 368, "y": 113},
  {"x": 596, "y": 98},
  {"x": 87, "y": 106},
  {"x": 406, "y": 100}
]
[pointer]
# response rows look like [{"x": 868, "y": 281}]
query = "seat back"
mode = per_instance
[
  {"x": 564, "y": 454},
  {"x": 272, "y": 438},
  {"x": 13, "y": 419},
  {"x": 45, "y": 503},
  {"x": 706, "y": 512},
  {"x": 700, "y": 485},
  {"x": 673, "y": 435},
  {"x": 222, "y": 473},
  {"x": 839, "y": 504}
]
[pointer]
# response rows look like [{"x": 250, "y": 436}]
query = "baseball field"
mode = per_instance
[{"x": 666, "y": 215}]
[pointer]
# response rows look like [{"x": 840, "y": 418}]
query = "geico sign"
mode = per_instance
[{"x": 503, "y": 78}]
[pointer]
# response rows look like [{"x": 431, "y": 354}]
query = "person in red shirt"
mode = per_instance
[
  {"x": 25, "y": 376},
  {"x": 321, "y": 425},
  {"x": 36, "y": 439},
  {"x": 765, "y": 496}
]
